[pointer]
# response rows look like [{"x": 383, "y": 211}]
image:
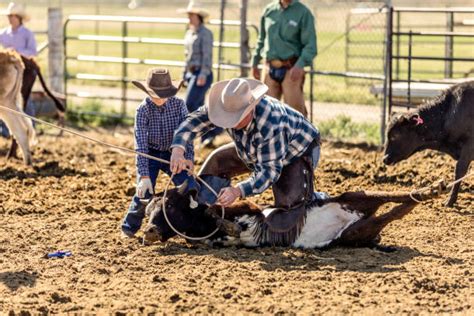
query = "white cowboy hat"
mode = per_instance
[
  {"x": 194, "y": 7},
  {"x": 16, "y": 9},
  {"x": 231, "y": 100}
]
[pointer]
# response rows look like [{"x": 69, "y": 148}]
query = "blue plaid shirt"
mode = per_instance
[
  {"x": 275, "y": 137},
  {"x": 154, "y": 128}
]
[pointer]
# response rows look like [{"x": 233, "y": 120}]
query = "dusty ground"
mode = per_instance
[{"x": 76, "y": 193}]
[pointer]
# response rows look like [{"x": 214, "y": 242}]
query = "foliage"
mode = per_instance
[
  {"x": 342, "y": 127},
  {"x": 94, "y": 113}
]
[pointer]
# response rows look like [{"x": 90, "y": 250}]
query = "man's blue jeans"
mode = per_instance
[{"x": 136, "y": 211}]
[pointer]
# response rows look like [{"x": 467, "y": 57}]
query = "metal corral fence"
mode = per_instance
[
  {"x": 422, "y": 60},
  {"x": 350, "y": 61},
  {"x": 128, "y": 58}
]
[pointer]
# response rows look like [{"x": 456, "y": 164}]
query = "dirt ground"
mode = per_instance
[{"x": 76, "y": 193}]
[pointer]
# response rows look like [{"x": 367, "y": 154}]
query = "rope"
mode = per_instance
[
  {"x": 124, "y": 149},
  {"x": 171, "y": 225},
  {"x": 130, "y": 151},
  {"x": 451, "y": 184}
]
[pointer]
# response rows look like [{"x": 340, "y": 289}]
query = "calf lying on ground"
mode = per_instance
[
  {"x": 32, "y": 70},
  {"x": 445, "y": 124},
  {"x": 348, "y": 220},
  {"x": 11, "y": 77}
]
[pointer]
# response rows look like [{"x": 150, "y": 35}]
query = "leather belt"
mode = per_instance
[
  {"x": 193, "y": 68},
  {"x": 287, "y": 63}
]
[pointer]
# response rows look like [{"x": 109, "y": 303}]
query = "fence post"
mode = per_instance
[
  {"x": 448, "y": 64},
  {"x": 56, "y": 49},
  {"x": 221, "y": 39},
  {"x": 387, "y": 83},
  {"x": 244, "y": 39}
]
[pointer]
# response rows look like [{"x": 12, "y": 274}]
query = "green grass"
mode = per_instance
[
  {"x": 342, "y": 128},
  {"x": 83, "y": 115}
]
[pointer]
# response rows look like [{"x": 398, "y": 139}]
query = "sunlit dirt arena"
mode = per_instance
[{"x": 76, "y": 193}]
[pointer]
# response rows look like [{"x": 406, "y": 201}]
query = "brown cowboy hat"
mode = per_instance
[{"x": 158, "y": 84}]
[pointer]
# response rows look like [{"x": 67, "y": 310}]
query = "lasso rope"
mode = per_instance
[
  {"x": 171, "y": 225},
  {"x": 441, "y": 187},
  {"x": 130, "y": 151},
  {"x": 127, "y": 150}
]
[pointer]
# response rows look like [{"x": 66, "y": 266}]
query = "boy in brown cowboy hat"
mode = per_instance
[{"x": 157, "y": 117}]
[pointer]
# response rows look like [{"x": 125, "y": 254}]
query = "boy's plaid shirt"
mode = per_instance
[
  {"x": 155, "y": 126},
  {"x": 275, "y": 137}
]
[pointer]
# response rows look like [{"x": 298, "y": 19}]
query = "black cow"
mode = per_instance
[
  {"x": 32, "y": 70},
  {"x": 348, "y": 219},
  {"x": 445, "y": 124}
]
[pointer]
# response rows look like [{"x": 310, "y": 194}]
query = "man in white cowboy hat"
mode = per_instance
[
  {"x": 277, "y": 144},
  {"x": 17, "y": 36}
]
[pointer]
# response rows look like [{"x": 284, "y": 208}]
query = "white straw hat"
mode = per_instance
[
  {"x": 196, "y": 8},
  {"x": 231, "y": 100},
  {"x": 16, "y": 9}
]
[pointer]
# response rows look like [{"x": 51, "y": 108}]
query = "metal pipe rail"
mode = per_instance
[
  {"x": 449, "y": 58},
  {"x": 124, "y": 39},
  {"x": 458, "y": 34},
  {"x": 143, "y": 40},
  {"x": 434, "y": 10}
]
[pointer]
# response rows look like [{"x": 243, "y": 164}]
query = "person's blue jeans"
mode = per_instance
[
  {"x": 30, "y": 110},
  {"x": 136, "y": 211},
  {"x": 195, "y": 96}
]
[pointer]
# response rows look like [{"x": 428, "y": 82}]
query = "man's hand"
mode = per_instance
[
  {"x": 177, "y": 162},
  {"x": 296, "y": 73},
  {"x": 228, "y": 195},
  {"x": 144, "y": 186},
  {"x": 256, "y": 72},
  {"x": 201, "y": 81}
]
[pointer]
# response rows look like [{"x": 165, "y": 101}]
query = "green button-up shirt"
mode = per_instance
[{"x": 286, "y": 33}]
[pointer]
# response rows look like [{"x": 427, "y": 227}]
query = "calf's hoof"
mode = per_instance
[
  {"x": 450, "y": 202},
  {"x": 386, "y": 249},
  {"x": 229, "y": 227}
]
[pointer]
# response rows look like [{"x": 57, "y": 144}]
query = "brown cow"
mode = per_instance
[
  {"x": 32, "y": 70},
  {"x": 11, "y": 70}
]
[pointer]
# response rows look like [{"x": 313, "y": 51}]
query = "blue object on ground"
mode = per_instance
[{"x": 59, "y": 254}]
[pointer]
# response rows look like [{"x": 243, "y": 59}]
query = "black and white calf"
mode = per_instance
[{"x": 348, "y": 219}]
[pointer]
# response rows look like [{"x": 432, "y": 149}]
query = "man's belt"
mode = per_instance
[
  {"x": 287, "y": 63},
  {"x": 193, "y": 68}
]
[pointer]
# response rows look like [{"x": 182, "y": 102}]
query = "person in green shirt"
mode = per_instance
[{"x": 287, "y": 43}]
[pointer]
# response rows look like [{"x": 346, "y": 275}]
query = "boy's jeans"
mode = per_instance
[{"x": 136, "y": 211}]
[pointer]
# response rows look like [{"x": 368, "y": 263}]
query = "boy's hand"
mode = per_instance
[
  {"x": 144, "y": 186},
  {"x": 177, "y": 162}
]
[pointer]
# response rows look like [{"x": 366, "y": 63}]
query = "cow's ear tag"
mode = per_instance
[{"x": 192, "y": 203}]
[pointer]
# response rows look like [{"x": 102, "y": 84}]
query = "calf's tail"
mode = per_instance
[{"x": 58, "y": 103}]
